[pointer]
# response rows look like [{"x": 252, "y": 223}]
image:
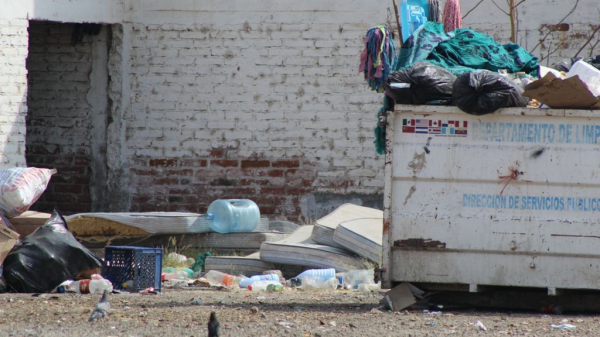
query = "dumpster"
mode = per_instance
[{"x": 505, "y": 199}]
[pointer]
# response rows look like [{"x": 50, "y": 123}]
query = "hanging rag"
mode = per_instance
[
  {"x": 378, "y": 57},
  {"x": 452, "y": 18},
  {"x": 435, "y": 10}
]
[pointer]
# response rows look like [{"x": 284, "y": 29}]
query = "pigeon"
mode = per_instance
[
  {"x": 214, "y": 328},
  {"x": 102, "y": 308}
]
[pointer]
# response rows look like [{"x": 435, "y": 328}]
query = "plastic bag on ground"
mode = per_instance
[
  {"x": 483, "y": 92},
  {"x": 21, "y": 187},
  {"x": 46, "y": 258},
  {"x": 422, "y": 83}
]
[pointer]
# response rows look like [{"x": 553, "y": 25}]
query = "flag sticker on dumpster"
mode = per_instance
[{"x": 451, "y": 128}]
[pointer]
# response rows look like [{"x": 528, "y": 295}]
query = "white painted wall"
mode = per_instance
[{"x": 105, "y": 11}]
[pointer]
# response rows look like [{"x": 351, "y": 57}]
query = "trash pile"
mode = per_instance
[
  {"x": 340, "y": 251},
  {"x": 343, "y": 249},
  {"x": 478, "y": 75}
]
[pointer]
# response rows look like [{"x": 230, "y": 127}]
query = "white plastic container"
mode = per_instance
[
  {"x": 588, "y": 74},
  {"x": 234, "y": 215}
]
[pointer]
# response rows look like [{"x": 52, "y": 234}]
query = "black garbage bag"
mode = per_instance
[
  {"x": 422, "y": 83},
  {"x": 483, "y": 92},
  {"x": 46, "y": 258}
]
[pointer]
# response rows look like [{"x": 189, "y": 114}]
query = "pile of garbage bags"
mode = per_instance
[{"x": 470, "y": 70}]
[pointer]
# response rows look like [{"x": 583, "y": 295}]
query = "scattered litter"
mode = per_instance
[
  {"x": 197, "y": 302},
  {"x": 563, "y": 327},
  {"x": 478, "y": 325}
]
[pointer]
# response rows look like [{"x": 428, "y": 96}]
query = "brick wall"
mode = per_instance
[
  {"x": 58, "y": 121},
  {"x": 274, "y": 112},
  {"x": 13, "y": 91}
]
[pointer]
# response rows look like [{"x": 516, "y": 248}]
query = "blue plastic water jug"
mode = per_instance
[
  {"x": 235, "y": 215},
  {"x": 413, "y": 14}
]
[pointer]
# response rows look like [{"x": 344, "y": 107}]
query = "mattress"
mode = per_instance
[
  {"x": 299, "y": 249},
  {"x": 151, "y": 223},
  {"x": 325, "y": 227},
  {"x": 361, "y": 236}
]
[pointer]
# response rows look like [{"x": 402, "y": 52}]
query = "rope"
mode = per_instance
[
  {"x": 378, "y": 57},
  {"x": 452, "y": 18},
  {"x": 435, "y": 11}
]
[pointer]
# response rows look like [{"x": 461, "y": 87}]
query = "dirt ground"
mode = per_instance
[{"x": 245, "y": 313}]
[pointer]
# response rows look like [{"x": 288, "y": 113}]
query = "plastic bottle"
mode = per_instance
[
  {"x": 355, "y": 277},
  {"x": 367, "y": 288},
  {"x": 275, "y": 287},
  {"x": 262, "y": 285},
  {"x": 318, "y": 274},
  {"x": 178, "y": 275},
  {"x": 93, "y": 286},
  {"x": 234, "y": 215},
  {"x": 311, "y": 284},
  {"x": 217, "y": 277},
  {"x": 248, "y": 281},
  {"x": 189, "y": 272}
]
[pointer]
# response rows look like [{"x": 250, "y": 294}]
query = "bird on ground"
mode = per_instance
[
  {"x": 214, "y": 328},
  {"x": 102, "y": 308}
]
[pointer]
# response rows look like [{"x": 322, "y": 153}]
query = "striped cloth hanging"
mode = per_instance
[
  {"x": 435, "y": 10},
  {"x": 452, "y": 18},
  {"x": 378, "y": 58}
]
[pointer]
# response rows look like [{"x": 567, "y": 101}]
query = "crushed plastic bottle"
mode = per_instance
[
  {"x": 310, "y": 284},
  {"x": 178, "y": 275},
  {"x": 355, "y": 277},
  {"x": 262, "y": 285},
  {"x": 96, "y": 285},
  {"x": 367, "y": 288},
  {"x": 248, "y": 281},
  {"x": 217, "y": 277},
  {"x": 274, "y": 288},
  {"x": 190, "y": 273}
]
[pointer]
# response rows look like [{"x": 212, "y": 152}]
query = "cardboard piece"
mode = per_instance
[
  {"x": 571, "y": 93},
  {"x": 399, "y": 298},
  {"x": 8, "y": 239}
]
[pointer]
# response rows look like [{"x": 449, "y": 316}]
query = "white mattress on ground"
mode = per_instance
[
  {"x": 238, "y": 265},
  {"x": 247, "y": 265},
  {"x": 299, "y": 249},
  {"x": 325, "y": 227},
  {"x": 165, "y": 222},
  {"x": 362, "y": 236}
]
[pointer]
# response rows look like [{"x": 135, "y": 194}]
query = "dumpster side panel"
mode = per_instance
[{"x": 508, "y": 199}]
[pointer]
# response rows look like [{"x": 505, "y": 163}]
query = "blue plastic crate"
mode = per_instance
[{"x": 143, "y": 265}]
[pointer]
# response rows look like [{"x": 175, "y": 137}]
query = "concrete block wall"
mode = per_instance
[
  {"x": 249, "y": 107},
  {"x": 59, "y": 121},
  {"x": 13, "y": 91}
]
